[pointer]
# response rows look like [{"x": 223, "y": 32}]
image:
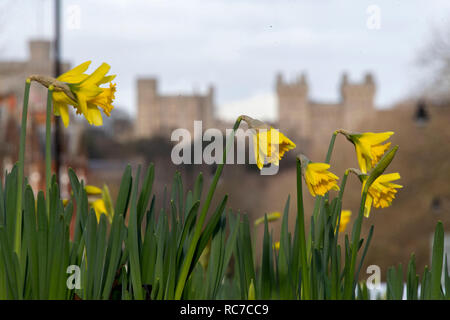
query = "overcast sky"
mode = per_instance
[{"x": 238, "y": 46}]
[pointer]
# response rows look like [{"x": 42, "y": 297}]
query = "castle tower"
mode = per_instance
[
  {"x": 148, "y": 111},
  {"x": 39, "y": 51},
  {"x": 160, "y": 114},
  {"x": 293, "y": 108},
  {"x": 208, "y": 110},
  {"x": 357, "y": 100}
]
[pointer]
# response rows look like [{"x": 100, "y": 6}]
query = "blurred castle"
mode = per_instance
[
  {"x": 308, "y": 121},
  {"x": 12, "y": 85},
  {"x": 160, "y": 114}
]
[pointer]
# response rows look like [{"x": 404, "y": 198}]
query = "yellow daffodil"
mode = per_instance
[
  {"x": 369, "y": 147},
  {"x": 276, "y": 246},
  {"x": 317, "y": 177},
  {"x": 381, "y": 192},
  {"x": 269, "y": 144},
  {"x": 270, "y": 217},
  {"x": 92, "y": 190},
  {"x": 85, "y": 93},
  {"x": 345, "y": 219},
  {"x": 100, "y": 201},
  {"x": 99, "y": 208}
]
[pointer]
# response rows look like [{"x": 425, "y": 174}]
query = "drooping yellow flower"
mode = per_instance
[
  {"x": 269, "y": 144},
  {"x": 99, "y": 208},
  {"x": 369, "y": 147},
  {"x": 382, "y": 192},
  {"x": 345, "y": 219},
  {"x": 273, "y": 216},
  {"x": 85, "y": 94},
  {"x": 276, "y": 246},
  {"x": 318, "y": 179}
]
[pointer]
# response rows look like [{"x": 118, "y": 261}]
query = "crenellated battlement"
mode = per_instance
[{"x": 299, "y": 116}]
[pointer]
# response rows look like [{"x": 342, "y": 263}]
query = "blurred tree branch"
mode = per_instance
[{"x": 435, "y": 58}]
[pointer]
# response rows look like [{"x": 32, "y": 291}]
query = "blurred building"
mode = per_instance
[
  {"x": 159, "y": 114},
  {"x": 308, "y": 121},
  {"x": 12, "y": 85}
]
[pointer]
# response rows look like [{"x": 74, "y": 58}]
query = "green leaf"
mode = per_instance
[
  {"x": 132, "y": 243},
  {"x": 123, "y": 196},
  {"x": 437, "y": 261}
]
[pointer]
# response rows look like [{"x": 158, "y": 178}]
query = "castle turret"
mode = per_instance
[
  {"x": 293, "y": 108},
  {"x": 209, "y": 111},
  {"x": 39, "y": 51},
  {"x": 357, "y": 100},
  {"x": 148, "y": 113}
]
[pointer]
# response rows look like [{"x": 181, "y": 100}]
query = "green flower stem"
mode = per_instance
[
  {"x": 318, "y": 203},
  {"x": 198, "y": 227},
  {"x": 48, "y": 148},
  {"x": 341, "y": 194},
  {"x": 331, "y": 147},
  {"x": 383, "y": 163},
  {"x": 20, "y": 174},
  {"x": 343, "y": 183},
  {"x": 301, "y": 235},
  {"x": 349, "y": 287},
  {"x": 335, "y": 283}
]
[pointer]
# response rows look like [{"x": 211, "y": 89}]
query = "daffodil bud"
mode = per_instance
[
  {"x": 273, "y": 216},
  {"x": 92, "y": 190},
  {"x": 58, "y": 86},
  {"x": 361, "y": 175},
  {"x": 254, "y": 123},
  {"x": 381, "y": 166},
  {"x": 251, "y": 291}
]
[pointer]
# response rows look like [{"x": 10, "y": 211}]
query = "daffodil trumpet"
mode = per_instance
[
  {"x": 269, "y": 144},
  {"x": 317, "y": 177}
]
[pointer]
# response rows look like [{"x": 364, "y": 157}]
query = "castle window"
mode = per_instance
[
  {"x": 421, "y": 116},
  {"x": 436, "y": 204}
]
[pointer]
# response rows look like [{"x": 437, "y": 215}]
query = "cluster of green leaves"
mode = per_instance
[
  {"x": 138, "y": 255},
  {"x": 39, "y": 270},
  {"x": 141, "y": 251},
  {"x": 434, "y": 283}
]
